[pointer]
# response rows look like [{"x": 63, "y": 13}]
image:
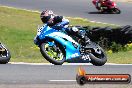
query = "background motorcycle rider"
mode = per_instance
[
  {"x": 59, "y": 22},
  {"x": 98, "y": 3}
]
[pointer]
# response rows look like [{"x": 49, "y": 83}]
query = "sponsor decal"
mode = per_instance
[{"x": 74, "y": 55}]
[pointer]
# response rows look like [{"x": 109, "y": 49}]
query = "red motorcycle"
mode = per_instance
[{"x": 107, "y": 7}]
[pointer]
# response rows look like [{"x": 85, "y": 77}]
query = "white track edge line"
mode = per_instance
[
  {"x": 62, "y": 80},
  {"x": 63, "y": 64}
]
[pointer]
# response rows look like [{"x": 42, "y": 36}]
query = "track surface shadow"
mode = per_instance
[{"x": 96, "y": 12}]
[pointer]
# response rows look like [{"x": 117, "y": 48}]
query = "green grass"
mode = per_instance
[
  {"x": 120, "y": 57},
  {"x": 18, "y": 28}
]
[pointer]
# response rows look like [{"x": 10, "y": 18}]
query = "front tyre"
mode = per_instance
[
  {"x": 53, "y": 52},
  {"x": 4, "y": 54}
]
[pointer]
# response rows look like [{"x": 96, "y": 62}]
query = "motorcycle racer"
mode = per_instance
[
  {"x": 98, "y": 3},
  {"x": 59, "y": 22},
  {"x": 106, "y": 6},
  {"x": 57, "y": 46},
  {"x": 51, "y": 19}
]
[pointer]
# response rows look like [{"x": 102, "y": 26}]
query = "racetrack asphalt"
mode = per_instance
[
  {"x": 73, "y": 8},
  {"x": 40, "y": 74}
]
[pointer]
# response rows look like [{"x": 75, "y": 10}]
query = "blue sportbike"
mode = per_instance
[{"x": 58, "y": 47}]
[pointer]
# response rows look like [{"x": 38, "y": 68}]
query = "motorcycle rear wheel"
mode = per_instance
[
  {"x": 53, "y": 53},
  {"x": 116, "y": 11},
  {"x": 97, "y": 55}
]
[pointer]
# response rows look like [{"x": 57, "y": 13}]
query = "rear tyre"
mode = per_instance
[
  {"x": 97, "y": 55},
  {"x": 53, "y": 52},
  {"x": 116, "y": 11}
]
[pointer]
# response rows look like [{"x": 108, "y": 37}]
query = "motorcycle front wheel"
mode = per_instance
[
  {"x": 53, "y": 52},
  {"x": 4, "y": 54}
]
